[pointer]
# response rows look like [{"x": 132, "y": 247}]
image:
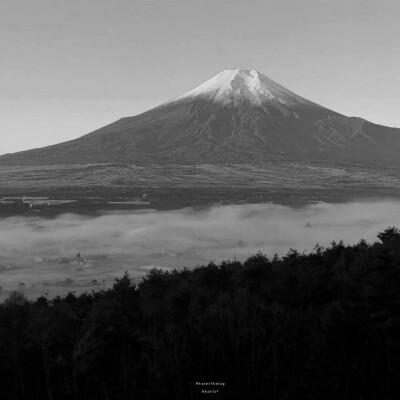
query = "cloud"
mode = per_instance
[
  {"x": 184, "y": 237},
  {"x": 215, "y": 232}
]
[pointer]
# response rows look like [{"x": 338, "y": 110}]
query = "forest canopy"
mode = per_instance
[{"x": 318, "y": 325}]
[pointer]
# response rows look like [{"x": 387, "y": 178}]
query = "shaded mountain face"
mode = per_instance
[{"x": 236, "y": 116}]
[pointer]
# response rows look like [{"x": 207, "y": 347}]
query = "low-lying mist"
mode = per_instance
[{"x": 136, "y": 241}]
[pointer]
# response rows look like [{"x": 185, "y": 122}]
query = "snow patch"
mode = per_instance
[{"x": 231, "y": 86}]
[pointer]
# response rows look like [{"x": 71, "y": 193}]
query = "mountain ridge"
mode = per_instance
[{"x": 237, "y": 115}]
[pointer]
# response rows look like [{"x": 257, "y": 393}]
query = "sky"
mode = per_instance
[{"x": 68, "y": 67}]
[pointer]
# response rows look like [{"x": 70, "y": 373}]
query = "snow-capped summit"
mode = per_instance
[{"x": 232, "y": 85}]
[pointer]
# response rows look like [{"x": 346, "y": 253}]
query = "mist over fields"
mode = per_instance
[{"x": 136, "y": 241}]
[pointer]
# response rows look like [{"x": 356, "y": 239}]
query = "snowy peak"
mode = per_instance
[
  {"x": 231, "y": 86},
  {"x": 236, "y": 116}
]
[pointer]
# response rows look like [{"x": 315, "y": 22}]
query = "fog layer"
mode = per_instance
[
  {"x": 182, "y": 238},
  {"x": 214, "y": 233}
]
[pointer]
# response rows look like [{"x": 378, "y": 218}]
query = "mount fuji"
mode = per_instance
[{"x": 236, "y": 116}]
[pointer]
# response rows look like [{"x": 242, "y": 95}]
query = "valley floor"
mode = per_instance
[{"x": 90, "y": 188}]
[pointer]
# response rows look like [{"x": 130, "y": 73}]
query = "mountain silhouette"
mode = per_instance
[{"x": 236, "y": 116}]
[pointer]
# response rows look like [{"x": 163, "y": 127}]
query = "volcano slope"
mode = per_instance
[{"x": 238, "y": 129}]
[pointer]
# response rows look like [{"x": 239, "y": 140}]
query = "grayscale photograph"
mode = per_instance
[{"x": 199, "y": 199}]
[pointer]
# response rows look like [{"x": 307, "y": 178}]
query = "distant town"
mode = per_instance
[{"x": 50, "y": 206}]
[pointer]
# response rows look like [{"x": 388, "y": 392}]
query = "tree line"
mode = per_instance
[{"x": 318, "y": 325}]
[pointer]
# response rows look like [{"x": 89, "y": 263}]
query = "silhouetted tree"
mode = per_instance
[{"x": 323, "y": 325}]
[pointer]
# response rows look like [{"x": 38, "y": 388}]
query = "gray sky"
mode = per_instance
[{"x": 68, "y": 67}]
